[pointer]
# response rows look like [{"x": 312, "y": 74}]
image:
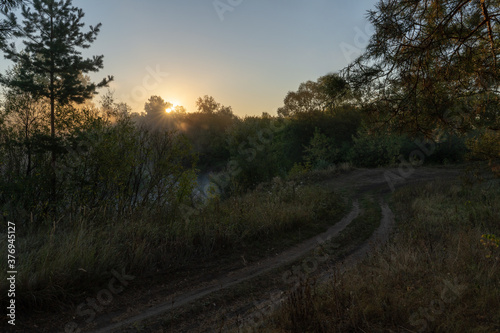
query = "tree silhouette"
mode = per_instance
[
  {"x": 315, "y": 96},
  {"x": 207, "y": 104},
  {"x": 155, "y": 109},
  {"x": 432, "y": 64},
  {"x": 52, "y": 35}
]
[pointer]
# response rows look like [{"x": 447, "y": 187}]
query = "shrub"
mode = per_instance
[{"x": 374, "y": 150}]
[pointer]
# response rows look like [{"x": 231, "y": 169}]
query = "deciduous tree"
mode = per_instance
[
  {"x": 328, "y": 92},
  {"x": 207, "y": 104},
  {"x": 156, "y": 108}
]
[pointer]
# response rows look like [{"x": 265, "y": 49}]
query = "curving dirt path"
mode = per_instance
[
  {"x": 242, "y": 275},
  {"x": 357, "y": 182}
]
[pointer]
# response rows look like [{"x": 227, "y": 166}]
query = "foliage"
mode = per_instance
[
  {"x": 450, "y": 149},
  {"x": 51, "y": 65},
  {"x": 299, "y": 169},
  {"x": 6, "y": 27},
  {"x": 431, "y": 65},
  {"x": 207, "y": 132},
  {"x": 205, "y": 129},
  {"x": 374, "y": 150},
  {"x": 307, "y": 98},
  {"x": 256, "y": 153},
  {"x": 6, "y": 5},
  {"x": 113, "y": 167},
  {"x": 327, "y": 92},
  {"x": 127, "y": 168},
  {"x": 339, "y": 125},
  {"x": 156, "y": 114},
  {"x": 208, "y": 105},
  {"x": 52, "y": 36},
  {"x": 320, "y": 150},
  {"x": 491, "y": 243},
  {"x": 486, "y": 146}
]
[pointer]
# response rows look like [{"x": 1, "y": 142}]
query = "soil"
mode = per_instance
[{"x": 227, "y": 297}]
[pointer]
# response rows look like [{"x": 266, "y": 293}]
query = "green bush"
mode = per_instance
[
  {"x": 374, "y": 150},
  {"x": 256, "y": 151},
  {"x": 113, "y": 168}
]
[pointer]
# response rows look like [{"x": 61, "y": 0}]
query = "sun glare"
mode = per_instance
[{"x": 172, "y": 108}]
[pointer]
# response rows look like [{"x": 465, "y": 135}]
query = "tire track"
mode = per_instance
[
  {"x": 361, "y": 181},
  {"x": 242, "y": 275}
]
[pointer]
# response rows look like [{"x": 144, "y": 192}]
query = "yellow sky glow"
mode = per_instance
[{"x": 174, "y": 105}]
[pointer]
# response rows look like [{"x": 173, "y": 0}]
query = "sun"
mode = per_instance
[{"x": 172, "y": 108}]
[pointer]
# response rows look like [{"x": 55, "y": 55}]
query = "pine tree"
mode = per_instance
[
  {"x": 432, "y": 65},
  {"x": 51, "y": 32},
  {"x": 5, "y": 25},
  {"x": 9, "y": 4}
]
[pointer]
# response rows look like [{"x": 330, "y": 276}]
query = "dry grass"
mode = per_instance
[
  {"x": 313, "y": 176},
  {"x": 436, "y": 275},
  {"x": 56, "y": 265}
]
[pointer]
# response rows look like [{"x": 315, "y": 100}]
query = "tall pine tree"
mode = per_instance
[{"x": 52, "y": 35}]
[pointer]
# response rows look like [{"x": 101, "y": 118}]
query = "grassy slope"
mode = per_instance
[
  {"x": 219, "y": 311},
  {"x": 438, "y": 274},
  {"x": 57, "y": 266}
]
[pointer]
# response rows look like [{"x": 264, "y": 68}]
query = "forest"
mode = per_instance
[{"x": 93, "y": 187}]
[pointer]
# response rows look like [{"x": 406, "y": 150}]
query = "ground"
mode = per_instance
[{"x": 233, "y": 296}]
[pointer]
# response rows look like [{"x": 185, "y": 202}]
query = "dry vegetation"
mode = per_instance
[
  {"x": 439, "y": 273},
  {"x": 57, "y": 266}
]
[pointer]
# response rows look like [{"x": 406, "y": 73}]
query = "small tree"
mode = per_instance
[
  {"x": 321, "y": 150},
  {"x": 52, "y": 37},
  {"x": 207, "y": 104},
  {"x": 156, "y": 108}
]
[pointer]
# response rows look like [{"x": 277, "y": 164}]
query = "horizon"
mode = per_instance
[{"x": 245, "y": 56}]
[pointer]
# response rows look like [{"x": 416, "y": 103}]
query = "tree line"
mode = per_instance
[{"x": 429, "y": 73}]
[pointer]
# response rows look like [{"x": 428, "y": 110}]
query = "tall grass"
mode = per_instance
[
  {"x": 57, "y": 264},
  {"x": 440, "y": 272}
]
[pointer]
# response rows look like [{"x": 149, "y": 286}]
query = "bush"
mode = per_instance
[
  {"x": 115, "y": 169},
  {"x": 321, "y": 151},
  {"x": 450, "y": 150},
  {"x": 339, "y": 126},
  {"x": 375, "y": 150},
  {"x": 256, "y": 152}
]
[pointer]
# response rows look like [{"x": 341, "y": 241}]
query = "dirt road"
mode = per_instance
[
  {"x": 357, "y": 182},
  {"x": 140, "y": 313}
]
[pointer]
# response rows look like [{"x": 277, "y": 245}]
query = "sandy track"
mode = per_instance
[
  {"x": 247, "y": 273},
  {"x": 358, "y": 181}
]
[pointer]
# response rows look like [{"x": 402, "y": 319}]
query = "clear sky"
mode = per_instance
[{"x": 246, "y": 54}]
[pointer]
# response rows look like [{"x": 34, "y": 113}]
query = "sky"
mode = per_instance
[{"x": 247, "y": 54}]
